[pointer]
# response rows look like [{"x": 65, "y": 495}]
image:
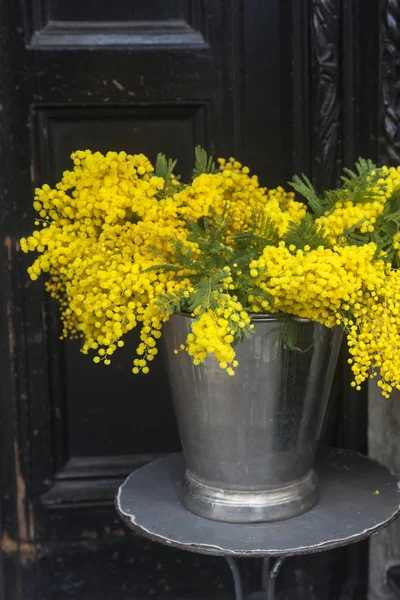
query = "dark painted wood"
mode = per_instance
[
  {"x": 389, "y": 45},
  {"x": 383, "y": 431},
  {"x": 288, "y": 87}
]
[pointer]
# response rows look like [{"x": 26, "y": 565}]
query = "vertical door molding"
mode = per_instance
[
  {"x": 390, "y": 81},
  {"x": 325, "y": 89},
  {"x": 316, "y": 88}
]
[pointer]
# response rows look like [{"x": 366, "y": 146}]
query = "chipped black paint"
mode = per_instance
[{"x": 238, "y": 78}]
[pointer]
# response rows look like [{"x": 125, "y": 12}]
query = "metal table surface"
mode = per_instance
[{"x": 357, "y": 498}]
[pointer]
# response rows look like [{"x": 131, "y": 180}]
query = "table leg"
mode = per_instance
[
  {"x": 273, "y": 574},
  {"x": 265, "y": 573},
  {"x": 237, "y": 578},
  {"x": 269, "y": 574}
]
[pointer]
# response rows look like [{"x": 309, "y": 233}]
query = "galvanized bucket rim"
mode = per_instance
[{"x": 259, "y": 317}]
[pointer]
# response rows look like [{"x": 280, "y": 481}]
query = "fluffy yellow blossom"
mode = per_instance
[
  {"x": 214, "y": 333},
  {"x": 347, "y": 214},
  {"x": 235, "y": 192},
  {"x": 364, "y": 211},
  {"x": 345, "y": 286},
  {"x": 315, "y": 284},
  {"x": 107, "y": 222},
  {"x": 125, "y": 245},
  {"x": 374, "y": 336},
  {"x": 103, "y": 225}
]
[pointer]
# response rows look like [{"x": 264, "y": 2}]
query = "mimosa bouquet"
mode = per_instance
[{"x": 127, "y": 244}]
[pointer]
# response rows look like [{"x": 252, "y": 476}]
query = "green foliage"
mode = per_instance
[
  {"x": 182, "y": 254},
  {"x": 182, "y": 259},
  {"x": 363, "y": 167},
  {"x": 355, "y": 187},
  {"x": 389, "y": 220},
  {"x": 163, "y": 267},
  {"x": 306, "y": 233},
  {"x": 262, "y": 233},
  {"x": 287, "y": 333},
  {"x": 207, "y": 272},
  {"x": 203, "y": 163},
  {"x": 380, "y": 236},
  {"x": 164, "y": 167},
  {"x": 357, "y": 184},
  {"x": 352, "y": 237},
  {"x": 206, "y": 292},
  {"x": 170, "y": 303},
  {"x": 260, "y": 294},
  {"x": 394, "y": 203},
  {"x": 290, "y": 333},
  {"x": 305, "y": 188},
  {"x": 217, "y": 249}
]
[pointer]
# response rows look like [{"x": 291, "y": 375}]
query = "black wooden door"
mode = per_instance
[{"x": 286, "y": 86}]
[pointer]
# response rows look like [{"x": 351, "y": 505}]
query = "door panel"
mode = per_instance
[
  {"x": 66, "y": 25},
  {"x": 263, "y": 80}
]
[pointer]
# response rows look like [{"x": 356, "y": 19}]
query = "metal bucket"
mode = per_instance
[{"x": 249, "y": 440}]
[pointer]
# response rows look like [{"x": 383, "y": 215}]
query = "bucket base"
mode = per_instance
[{"x": 233, "y": 506}]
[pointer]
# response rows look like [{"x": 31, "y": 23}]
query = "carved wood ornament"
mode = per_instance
[{"x": 390, "y": 81}]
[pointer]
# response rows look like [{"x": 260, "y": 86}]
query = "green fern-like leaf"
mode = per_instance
[
  {"x": 182, "y": 255},
  {"x": 356, "y": 186},
  {"x": 209, "y": 235},
  {"x": 351, "y": 236},
  {"x": 262, "y": 296},
  {"x": 393, "y": 203},
  {"x": 392, "y": 224},
  {"x": 170, "y": 303},
  {"x": 290, "y": 334},
  {"x": 203, "y": 163},
  {"x": 358, "y": 239},
  {"x": 305, "y": 188},
  {"x": 157, "y": 252},
  {"x": 286, "y": 333},
  {"x": 163, "y": 267},
  {"x": 164, "y": 167},
  {"x": 306, "y": 233},
  {"x": 363, "y": 169},
  {"x": 203, "y": 295},
  {"x": 358, "y": 183},
  {"x": 262, "y": 234}
]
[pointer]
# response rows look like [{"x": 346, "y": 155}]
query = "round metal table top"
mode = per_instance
[{"x": 358, "y": 497}]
